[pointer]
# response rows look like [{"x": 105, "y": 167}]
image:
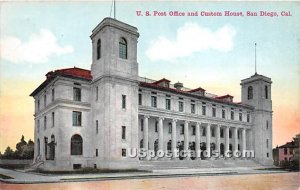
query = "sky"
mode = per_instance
[{"x": 211, "y": 52}]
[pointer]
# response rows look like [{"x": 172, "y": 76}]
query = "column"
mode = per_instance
[
  {"x": 218, "y": 141},
  {"x": 160, "y": 134},
  {"x": 174, "y": 140},
  {"x": 145, "y": 140},
  {"x": 236, "y": 140},
  {"x": 186, "y": 137},
  {"x": 227, "y": 139},
  {"x": 197, "y": 146},
  {"x": 244, "y": 139},
  {"x": 208, "y": 140}
]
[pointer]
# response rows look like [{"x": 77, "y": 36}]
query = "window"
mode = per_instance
[
  {"x": 142, "y": 125},
  {"x": 123, "y": 48},
  {"x": 98, "y": 49},
  {"x": 180, "y": 106},
  {"x": 238, "y": 134},
  {"x": 267, "y": 155},
  {"x": 140, "y": 99},
  {"x": 96, "y": 152},
  {"x": 267, "y": 143},
  {"x": 38, "y": 125},
  {"x": 192, "y": 108},
  {"x": 250, "y": 92},
  {"x": 222, "y": 133},
  {"x": 45, "y": 100},
  {"x": 230, "y": 134},
  {"x": 97, "y": 93},
  {"x": 168, "y": 104},
  {"x": 45, "y": 122},
  {"x": 76, "y": 166},
  {"x": 266, "y": 92},
  {"x": 153, "y": 101},
  {"x": 97, "y": 127},
  {"x": 38, "y": 147},
  {"x": 76, "y": 94},
  {"x": 45, "y": 146},
  {"x": 76, "y": 145},
  {"x": 212, "y": 132},
  {"x": 53, "y": 119},
  {"x": 232, "y": 115},
  {"x": 123, "y": 152},
  {"x": 170, "y": 128},
  {"x": 38, "y": 105},
  {"x": 223, "y": 114},
  {"x": 267, "y": 124},
  {"x": 248, "y": 117},
  {"x": 123, "y": 132},
  {"x": 156, "y": 126},
  {"x": 181, "y": 129},
  {"x": 239, "y": 148},
  {"x": 193, "y": 130},
  {"x": 141, "y": 143},
  {"x": 51, "y": 146},
  {"x": 204, "y": 131},
  {"x": 285, "y": 151},
  {"x": 76, "y": 118},
  {"x": 169, "y": 145},
  {"x": 123, "y": 101},
  {"x": 203, "y": 110},
  {"x": 214, "y": 112},
  {"x": 240, "y": 116},
  {"x": 52, "y": 94}
]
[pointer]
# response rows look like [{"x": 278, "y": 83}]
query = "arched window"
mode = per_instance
[
  {"x": 98, "y": 49},
  {"x": 76, "y": 145},
  {"x": 51, "y": 146},
  {"x": 141, "y": 143},
  {"x": 250, "y": 92},
  {"x": 266, "y": 92},
  {"x": 123, "y": 48},
  {"x": 156, "y": 146},
  {"x": 38, "y": 147},
  {"x": 169, "y": 145},
  {"x": 222, "y": 149}
]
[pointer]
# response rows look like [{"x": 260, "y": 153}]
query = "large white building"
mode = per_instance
[{"x": 90, "y": 118}]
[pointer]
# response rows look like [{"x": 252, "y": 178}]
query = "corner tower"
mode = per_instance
[
  {"x": 114, "y": 94},
  {"x": 256, "y": 91}
]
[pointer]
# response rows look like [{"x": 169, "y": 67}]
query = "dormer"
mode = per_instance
[
  {"x": 198, "y": 91},
  {"x": 163, "y": 82},
  {"x": 225, "y": 98}
]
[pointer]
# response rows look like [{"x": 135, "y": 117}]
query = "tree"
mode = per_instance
[{"x": 8, "y": 153}]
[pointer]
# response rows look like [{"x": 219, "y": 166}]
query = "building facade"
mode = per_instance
[{"x": 91, "y": 118}]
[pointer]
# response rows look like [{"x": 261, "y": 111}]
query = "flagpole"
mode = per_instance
[{"x": 255, "y": 60}]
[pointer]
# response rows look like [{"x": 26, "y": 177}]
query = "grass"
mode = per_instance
[{"x": 5, "y": 177}]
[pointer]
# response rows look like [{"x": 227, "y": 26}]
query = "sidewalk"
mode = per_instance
[{"x": 23, "y": 177}]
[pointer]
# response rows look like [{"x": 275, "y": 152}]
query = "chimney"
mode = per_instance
[{"x": 178, "y": 85}]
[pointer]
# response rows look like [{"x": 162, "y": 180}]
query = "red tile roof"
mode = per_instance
[
  {"x": 225, "y": 96},
  {"x": 73, "y": 72},
  {"x": 161, "y": 80},
  {"x": 196, "y": 89}
]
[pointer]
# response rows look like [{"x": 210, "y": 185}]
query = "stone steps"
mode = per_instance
[{"x": 177, "y": 164}]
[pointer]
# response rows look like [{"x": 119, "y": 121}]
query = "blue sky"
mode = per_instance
[
  {"x": 71, "y": 24},
  {"x": 226, "y": 56}
]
